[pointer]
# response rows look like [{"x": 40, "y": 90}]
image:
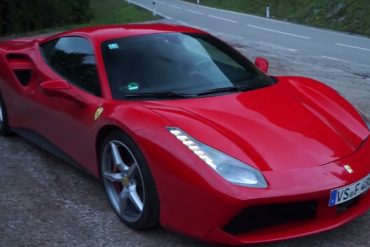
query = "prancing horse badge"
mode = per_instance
[
  {"x": 98, "y": 113},
  {"x": 348, "y": 169}
]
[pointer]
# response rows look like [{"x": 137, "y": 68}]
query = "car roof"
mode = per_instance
[{"x": 100, "y": 34}]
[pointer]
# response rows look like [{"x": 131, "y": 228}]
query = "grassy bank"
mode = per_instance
[
  {"x": 117, "y": 11},
  {"x": 343, "y": 15}
]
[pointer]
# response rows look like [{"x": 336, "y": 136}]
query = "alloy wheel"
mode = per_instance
[{"x": 123, "y": 181}]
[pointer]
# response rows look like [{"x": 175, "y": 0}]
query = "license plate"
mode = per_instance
[{"x": 340, "y": 195}]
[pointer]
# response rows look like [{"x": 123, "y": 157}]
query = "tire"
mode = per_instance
[
  {"x": 4, "y": 125},
  {"x": 128, "y": 182}
]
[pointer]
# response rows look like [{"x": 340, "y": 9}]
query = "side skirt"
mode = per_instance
[{"x": 45, "y": 144}]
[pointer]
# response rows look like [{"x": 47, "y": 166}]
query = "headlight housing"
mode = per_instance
[{"x": 226, "y": 166}]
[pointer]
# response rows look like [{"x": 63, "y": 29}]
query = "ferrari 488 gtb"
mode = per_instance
[{"x": 186, "y": 132}]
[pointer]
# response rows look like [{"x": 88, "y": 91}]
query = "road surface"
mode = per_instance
[{"x": 322, "y": 43}]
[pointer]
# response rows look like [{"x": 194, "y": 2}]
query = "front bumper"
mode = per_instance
[
  {"x": 197, "y": 202},
  {"x": 318, "y": 219},
  {"x": 304, "y": 208}
]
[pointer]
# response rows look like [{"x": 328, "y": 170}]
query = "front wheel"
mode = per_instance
[
  {"x": 4, "y": 125},
  {"x": 128, "y": 182}
]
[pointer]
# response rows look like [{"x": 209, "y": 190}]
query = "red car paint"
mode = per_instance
[{"x": 299, "y": 133}]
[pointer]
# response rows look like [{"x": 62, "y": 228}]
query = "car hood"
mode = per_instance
[{"x": 292, "y": 124}]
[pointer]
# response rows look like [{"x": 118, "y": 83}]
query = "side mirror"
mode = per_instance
[
  {"x": 55, "y": 88},
  {"x": 262, "y": 64},
  {"x": 62, "y": 89}
]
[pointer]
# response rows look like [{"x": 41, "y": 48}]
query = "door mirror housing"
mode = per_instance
[
  {"x": 61, "y": 88},
  {"x": 262, "y": 64},
  {"x": 58, "y": 87}
]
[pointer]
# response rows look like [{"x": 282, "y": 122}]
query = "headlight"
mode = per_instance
[
  {"x": 366, "y": 120},
  {"x": 229, "y": 168}
]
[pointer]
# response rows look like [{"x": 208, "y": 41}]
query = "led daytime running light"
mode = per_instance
[
  {"x": 229, "y": 168},
  {"x": 197, "y": 150}
]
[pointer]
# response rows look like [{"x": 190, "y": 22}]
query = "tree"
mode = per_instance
[{"x": 22, "y": 16}]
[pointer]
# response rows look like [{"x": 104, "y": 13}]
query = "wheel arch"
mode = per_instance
[{"x": 102, "y": 134}]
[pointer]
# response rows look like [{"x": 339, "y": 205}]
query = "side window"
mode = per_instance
[
  {"x": 47, "y": 48},
  {"x": 73, "y": 58}
]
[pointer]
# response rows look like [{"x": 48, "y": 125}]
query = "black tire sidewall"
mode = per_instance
[
  {"x": 4, "y": 126},
  {"x": 150, "y": 215}
]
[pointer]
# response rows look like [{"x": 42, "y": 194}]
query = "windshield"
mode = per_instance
[{"x": 177, "y": 64}]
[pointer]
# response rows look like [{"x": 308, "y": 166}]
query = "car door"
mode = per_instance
[{"x": 72, "y": 60}]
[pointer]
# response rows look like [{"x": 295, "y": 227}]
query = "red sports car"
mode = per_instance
[{"x": 185, "y": 131}]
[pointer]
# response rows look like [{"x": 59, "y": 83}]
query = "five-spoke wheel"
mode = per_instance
[{"x": 128, "y": 183}]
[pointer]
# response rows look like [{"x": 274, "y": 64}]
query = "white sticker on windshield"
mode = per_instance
[{"x": 113, "y": 46}]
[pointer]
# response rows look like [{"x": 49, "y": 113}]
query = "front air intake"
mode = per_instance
[{"x": 259, "y": 217}]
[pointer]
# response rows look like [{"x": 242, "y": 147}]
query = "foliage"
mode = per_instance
[{"x": 20, "y": 16}]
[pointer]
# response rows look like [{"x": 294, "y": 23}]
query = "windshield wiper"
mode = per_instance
[
  {"x": 219, "y": 90},
  {"x": 158, "y": 95}
]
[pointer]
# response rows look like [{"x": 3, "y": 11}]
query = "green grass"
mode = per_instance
[
  {"x": 344, "y": 15},
  {"x": 116, "y": 12}
]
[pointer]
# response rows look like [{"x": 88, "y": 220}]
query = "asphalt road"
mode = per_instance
[
  {"x": 330, "y": 56},
  {"x": 324, "y": 44},
  {"x": 46, "y": 202}
]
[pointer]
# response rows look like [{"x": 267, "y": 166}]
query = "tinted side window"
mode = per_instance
[
  {"x": 47, "y": 48},
  {"x": 73, "y": 58}
]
